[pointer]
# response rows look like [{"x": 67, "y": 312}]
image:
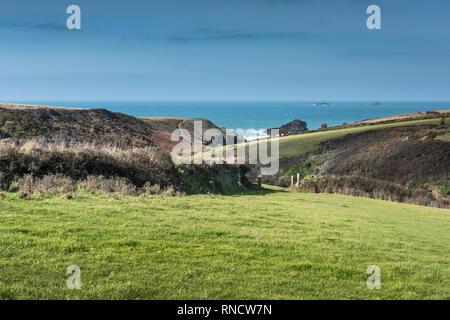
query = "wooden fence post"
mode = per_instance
[
  {"x": 298, "y": 180},
  {"x": 292, "y": 181}
]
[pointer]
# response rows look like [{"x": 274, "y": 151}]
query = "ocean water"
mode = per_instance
[{"x": 252, "y": 118}]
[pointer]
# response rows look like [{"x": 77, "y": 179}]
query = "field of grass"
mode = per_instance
[
  {"x": 299, "y": 144},
  {"x": 296, "y": 145},
  {"x": 408, "y": 116},
  {"x": 264, "y": 244}
]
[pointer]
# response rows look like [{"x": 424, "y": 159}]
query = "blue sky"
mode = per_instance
[{"x": 224, "y": 50}]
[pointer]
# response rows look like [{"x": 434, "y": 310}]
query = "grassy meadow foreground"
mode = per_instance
[{"x": 267, "y": 244}]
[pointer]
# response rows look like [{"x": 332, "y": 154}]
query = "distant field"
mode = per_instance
[
  {"x": 299, "y": 144},
  {"x": 406, "y": 116},
  {"x": 296, "y": 145},
  {"x": 261, "y": 245}
]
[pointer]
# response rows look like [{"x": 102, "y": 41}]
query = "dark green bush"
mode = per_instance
[{"x": 223, "y": 178}]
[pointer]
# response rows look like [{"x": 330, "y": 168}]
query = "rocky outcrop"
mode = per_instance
[{"x": 292, "y": 127}]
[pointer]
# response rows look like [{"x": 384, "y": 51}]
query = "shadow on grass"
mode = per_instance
[{"x": 253, "y": 191}]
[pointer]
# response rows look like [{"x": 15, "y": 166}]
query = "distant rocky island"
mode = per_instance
[
  {"x": 293, "y": 127},
  {"x": 321, "y": 104},
  {"x": 376, "y": 103}
]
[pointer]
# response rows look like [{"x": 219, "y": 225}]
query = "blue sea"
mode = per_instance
[{"x": 251, "y": 118}]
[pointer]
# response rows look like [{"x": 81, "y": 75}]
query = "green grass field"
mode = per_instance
[
  {"x": 299, "y": 144},
  {"x": 296, "y": 145},
  {"x": 270, "y": 244}
]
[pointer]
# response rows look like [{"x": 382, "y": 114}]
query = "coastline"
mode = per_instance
[{"x": 250, "y": 119}]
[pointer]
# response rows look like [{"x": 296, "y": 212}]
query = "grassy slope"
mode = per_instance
[
  {"x": 263, "y": 245},
  {"x": 408, "y": 116},
  {"x": 297, "y": 145}
]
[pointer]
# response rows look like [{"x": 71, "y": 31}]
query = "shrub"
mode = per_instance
[
  {"x": 37, "y": 167},
  {"x": 149, "y": 189},
  {"x": 306, "y": 167},
  {"x": 79, "y": 161},
  {"x": 410, "y": 184},
  {"x": 24, "y": 195},
  {"x": 94, "y": 184},
  {"x": 170, "y": 191},
  {"x": 50, "y": 184},
  {"x": 323, "y": 126},
  {"x": 284, "y": 181},
  {"x": 67, "y": 187},
  {"x": 225, "y": 178},
  {"x": 370, "y": 188}
]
